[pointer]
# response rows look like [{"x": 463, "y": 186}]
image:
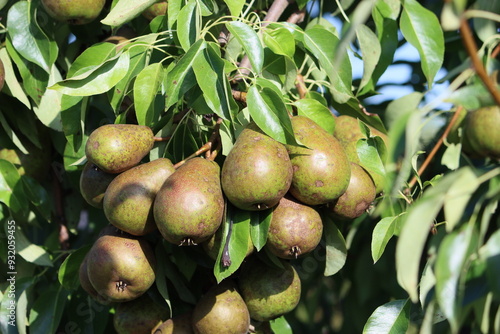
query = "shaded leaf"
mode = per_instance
[
  {"x": 235, "y": 6},
  {"x": 10, "y": 79},
  {"x": 47, "y": 311},
  {"x": 68, "y": 274},
  {"x": 38, "y": 196},
  {"x": 490, "y": 253},
  {"x": 11, "y": 191},
  {"x": 336, "y": 249},
  {"x": 422, "y": 29},
  {"x": 48, "y": 110},
  {"x": 31, "y": 252},
  {"x": 249, "y": 41},
  {"x": 11, "y": 133},
  {"x": 188, "y": 24}
]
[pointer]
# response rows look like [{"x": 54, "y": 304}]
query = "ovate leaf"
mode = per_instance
[
  {"x": 382, "y": 233},
  {"x": 235, "y": 6},
  {"x": 390, "y": 318},
  {"x": 146, "y": 87},
  {"x": 370, "y": 50},
  {"x": 259, "y": 227},
  {"x": 318, "y": 112},
  {"x": 336, "y": 248},
  {"x": 69, "y": 270},
  {"x": 188, "y": 24},
  {"x": 280, "y": 41},
  {"x": 249, "y": 41},
  {"x": 422, "y": 29},
  {"x": 126, "y": 10},
  {"x": 97, "y": 80},
  {"x": 48, "y": 110},
  {"x": 47, "y": 310}
]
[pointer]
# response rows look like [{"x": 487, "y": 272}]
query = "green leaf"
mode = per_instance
[
  {"x": 322, "y": 44},
  {"x": 146, "y": 87},
  {"x": 269, "y": 112},
  {"x": 126, "y": 10},
  {"x": 280, "y": 41},
  {"x": 91, "y": 57},
  {"x": 238, "y": 242},
  {"x": 370, "y": 50},
  {"x": 38, "y": 196},
  {"x": 371, "y": 153},
  {"x": 209, "y": 70},
  {"x": 422, "y": 29},
  {"x": 259, "y": 227},
  {"x": 11, "y": 82},
  {"x": 97, "y": 80},
  {"x": 316, "y": 111},
  {"x": 68, "y": 274},
  {"x": 281, "y": 326},
  {"x": 11, "y": 133},
  {"x": 188, "y": 24},
  {"x": 31, "y": 252},
  {"x": 11, "y": 191},
  {"x": 235, "y": 6},
  {"x": 382, "y": 233},
  {"x": 336, "y": 248},
  {"x": 160, "y": 277},
  {"x": 490, "y": 253},
  {"x": 250, "y": 42},
  {"x": 390, "y": 318},
  {"x": 48, "y": 110},
  {"x": 450, "y": 262},
  {"x": 27, "y": 36},
  {"x": 47, "y": 311}
]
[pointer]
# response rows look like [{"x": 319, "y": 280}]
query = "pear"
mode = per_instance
[
  {"x": 121, "y": 267},
  {"x": 74, "y": 12},
  {"x": 177, "y": 325},
  {"x": 481, "y": 132},
  {"x": 221, "y": 310},
  {"x": 321, "y": 170},
  {"x": 93, "y": 184},
  {"x": 257, "y": 172},
  {"x": 139, "y": 316},
  {"x": 295, "y": 229},
  {"x": 347, "y": 131},
  {"x": 87, "y": 286},
  {"x": 157, "y": 9},
  {"x": 114, "y": 148},
  {"x": 188, "y": 208},
  {"x": 2, "y": 75},
  {"x": 269, "y": 292},
  {"x": 128, "y": 202},
  {"x": 358, "y": 196}
]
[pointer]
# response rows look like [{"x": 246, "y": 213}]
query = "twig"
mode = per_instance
[
  {"x": 436, "y": 147},
  {"x": 301, "y": 86},
  {"x": 471, "y": 47},
  {"x": 205, "y": 148},
  {"x": 239, "y": 95},
  {"x": 160, "y": 139}
]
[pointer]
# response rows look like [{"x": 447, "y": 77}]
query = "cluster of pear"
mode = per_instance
[{"x": 186, "y": 206}]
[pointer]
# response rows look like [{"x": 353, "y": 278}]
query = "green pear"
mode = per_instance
[
  {"x": 114, "y": 148},
  {"x": 121, "y": 267},
  {"x": 321, "y": 170},
  {"x": 188, "y": 208},
  {"x": 177, "y": 325},
  {"x": 75, "y": 11},
  {"x": 269, "y": 292},
  {"x": 139, "y": 316},
  {"x": 128, "y": 201},
  {"x": 2, "y": 75},
  {"x": 93, "y": 184},
  {"x": 481, "y": 132},
  {"x": 347, "y": 131},
  {"x": 257, "y": 172},
  {"x": 295, "y": 229},
  {"x": 221, "y": 310},
  {"x": 357, "y": 198},
  {"x": 157, "y": 9}
]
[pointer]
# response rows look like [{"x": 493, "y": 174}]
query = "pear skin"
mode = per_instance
[
  {"x": 321, "y": 169},
  {"x": 257, "y": 172},
  {"x": 121, "y": 267},
  {"x": 128, "y": 201},
  {"x": 188, "y": 208},
  {"x": 139, "y": 316},
  {"x": 114, "y": 148},
  {"x": 75, "y": 12},
  {"x": 481, "y": 132}
]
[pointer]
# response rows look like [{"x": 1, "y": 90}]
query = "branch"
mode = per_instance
[
  {"x": 471, "y": 47},
  {"x": 436, "y": 147}
]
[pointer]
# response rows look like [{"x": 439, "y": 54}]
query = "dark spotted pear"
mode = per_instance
[
  {"x": 257, "y": 172},
  {"x": 114, "y": 148},
  {"x": 128, "y": 202},
  {"x": 188, "y": 208},
  {"x": 357, "y": 198},
  {"x": 121, "y": 267},
  {"x": 295, "y": 229},
  {"x": 321, "y": 170}
]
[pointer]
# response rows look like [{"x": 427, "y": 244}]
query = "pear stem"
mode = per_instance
[
  {"x": 160, "y": 139},
  {"x": 214, "y": 138}
]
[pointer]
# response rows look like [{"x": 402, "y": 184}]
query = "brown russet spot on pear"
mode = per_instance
[
  {"x": 75, "y": 12},
  {"x": 257, "y": 172},
  {"x": 128, "y": 201},
  {"x": 295, "y": 229},
  {"x": 121, "y": 267},
  {"x": 188, "y": 208},
  {"x": 221, "y": 310},
  {"x": 114, "y": 148},
  {"x": 321, "y": 168}
]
